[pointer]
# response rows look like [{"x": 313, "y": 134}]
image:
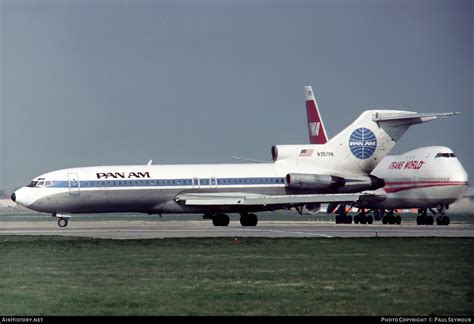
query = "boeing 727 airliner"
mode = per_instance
[{"x": 337, "y": 171}]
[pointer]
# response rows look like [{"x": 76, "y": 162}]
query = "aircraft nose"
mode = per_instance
[{"x": 21, "y": 197}]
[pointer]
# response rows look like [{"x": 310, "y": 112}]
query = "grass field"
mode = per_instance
[{"x": 389, "y": 276}]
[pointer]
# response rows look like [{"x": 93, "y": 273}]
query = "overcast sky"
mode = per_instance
[{"x": 102, "y": 82}]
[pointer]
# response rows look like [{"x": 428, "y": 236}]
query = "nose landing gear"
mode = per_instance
[
  {"x": 62, "y": 222},
  {"x": 62, "y": 219}
]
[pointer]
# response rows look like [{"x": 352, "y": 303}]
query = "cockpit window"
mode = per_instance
[
  {"x": 32, "y": 184},
  {"x": 40, "y": 183},
  {"x": 445, "y": 155}
]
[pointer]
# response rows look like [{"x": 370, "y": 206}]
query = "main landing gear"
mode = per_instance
[
  {"x": 221, "y": 219},
  {"x": 363, "y": 218},
  {"x": 342, "y": 217},
  {"x": 390, "y": 218},
  {"x": 424, "y": 219}
]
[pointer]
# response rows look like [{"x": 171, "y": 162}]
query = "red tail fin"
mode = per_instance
[{"x": 316, "y": 130}]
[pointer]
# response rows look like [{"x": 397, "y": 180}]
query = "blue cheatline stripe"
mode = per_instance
[{"x": 169, "y": 182}]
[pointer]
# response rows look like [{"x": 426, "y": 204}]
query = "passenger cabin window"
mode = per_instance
[{"x": 445, "y": 155}]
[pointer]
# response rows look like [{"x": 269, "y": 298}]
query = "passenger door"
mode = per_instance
[{"x": 74, "y": 185}]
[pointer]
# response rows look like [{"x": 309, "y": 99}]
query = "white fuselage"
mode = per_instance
[
  {"x": 153, "y": 188},
  {"x": 422, "y": 178}
]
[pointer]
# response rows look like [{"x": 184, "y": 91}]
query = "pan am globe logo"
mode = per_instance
[{"x": 362, "y": 143}]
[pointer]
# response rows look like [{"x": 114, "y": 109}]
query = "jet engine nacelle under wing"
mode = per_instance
[
  {"x": 298, "y": 181},
  {"x": 312, "y": 209}
]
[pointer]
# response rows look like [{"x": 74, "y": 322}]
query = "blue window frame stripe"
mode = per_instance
[{"x": 170, "y": 182}]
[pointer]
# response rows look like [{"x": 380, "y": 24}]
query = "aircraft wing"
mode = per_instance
[
  {"x": 410, "y": 118},
  {"x": 249, "y": 199}
]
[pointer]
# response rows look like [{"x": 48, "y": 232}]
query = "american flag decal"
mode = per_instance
[{"x": 306, "y": 152}]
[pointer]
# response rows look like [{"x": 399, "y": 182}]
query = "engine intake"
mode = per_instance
[{"x": 280, "y": 152}]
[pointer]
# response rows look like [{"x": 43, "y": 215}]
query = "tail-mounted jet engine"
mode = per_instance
[{"x": 329, "y": 183}]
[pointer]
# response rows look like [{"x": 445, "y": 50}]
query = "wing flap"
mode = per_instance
[{"x": 247, "y": 199}]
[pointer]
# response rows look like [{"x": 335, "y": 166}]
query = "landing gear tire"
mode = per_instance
[
  {"x": 248, "y": 220},
  {"x": 390, "y": 218},
  {"x": 62, "y": 222},
  {"x": 423, "y": 219},
  {"x": 398, "y": 220},
  {"x": 443, "y": 220},
  {"x": 429, "y": 220},
  {"x": 220, "y": 220},
  {"x": 363, "y": 218},
  {"x": 420, "y": 220}
]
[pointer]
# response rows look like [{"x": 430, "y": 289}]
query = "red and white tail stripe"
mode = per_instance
[{"x": 316, "y": 131}]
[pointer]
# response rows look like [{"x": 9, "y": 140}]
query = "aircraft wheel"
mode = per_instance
[
  {"x": 420, "y": 220},
  {"x": 356, "y": 219},
  {"x": 62, "y": 222},
  {"x": 221, "y": 220},
  {"x": 370, "y": 219},
  {"x": 398, "y": 220},
  {"x": 385, "y": 220},
  {"x": 249, "y": 220},
  {"x": 391, "y": 220},
  {"x": 442, "y": 220},
  {"x": 430, "y": 220}
]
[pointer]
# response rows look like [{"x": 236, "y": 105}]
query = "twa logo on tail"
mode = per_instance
[{"x": 316, "y": 130}]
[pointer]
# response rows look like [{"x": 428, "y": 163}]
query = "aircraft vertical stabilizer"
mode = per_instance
[{"x": 316, "y": 130}]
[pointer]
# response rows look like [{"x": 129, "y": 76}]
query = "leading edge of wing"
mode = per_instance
[{"x": 248, "y": 199}]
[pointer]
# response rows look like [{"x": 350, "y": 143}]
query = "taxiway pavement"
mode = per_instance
[{"x": 181, "y": 229}]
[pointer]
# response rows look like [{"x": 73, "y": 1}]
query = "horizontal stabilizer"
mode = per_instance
[{"x": 410, "y": 118}]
